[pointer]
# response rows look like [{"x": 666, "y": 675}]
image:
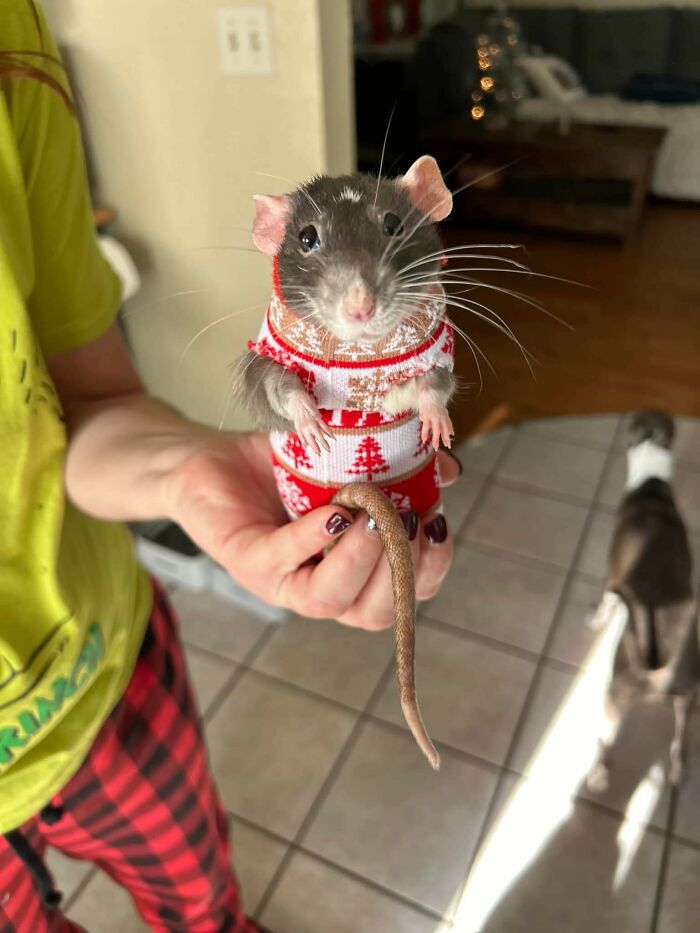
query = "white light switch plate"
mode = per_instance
[{"x": 244, "y": 38}]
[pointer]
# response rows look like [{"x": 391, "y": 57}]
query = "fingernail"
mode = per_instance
[
  {"x": 337, "y": 524},
  {"x": 456, "y": 460},
  {"x": 436, "y": 531},
  {"x": 410, "y": 523}
]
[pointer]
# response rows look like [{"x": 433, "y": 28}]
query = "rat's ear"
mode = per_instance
[
  {"x": 270, "y": 222},
  {"x": 426, "y": 190}
]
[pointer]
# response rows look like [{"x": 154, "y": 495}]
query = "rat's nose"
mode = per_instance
[{"x": 358, "y": 304}]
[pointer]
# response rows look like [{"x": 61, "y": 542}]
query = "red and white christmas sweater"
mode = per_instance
[{"x": 348, "y": 381}]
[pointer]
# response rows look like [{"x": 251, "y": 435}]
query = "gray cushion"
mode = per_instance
[
  {"x": 473, "y": 22},
  {"x": 685, "y": 45},
  {"x": 554, "y": 30},
  {"x": 612, "y": 45}
]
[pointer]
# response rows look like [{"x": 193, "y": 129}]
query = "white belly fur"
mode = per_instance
[{"x": 648, "y": 461}]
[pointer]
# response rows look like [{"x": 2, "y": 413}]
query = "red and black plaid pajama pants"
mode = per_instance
[{"x": 143, "y": 807}]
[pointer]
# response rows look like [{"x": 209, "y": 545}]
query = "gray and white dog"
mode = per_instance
[{"x": 650, "y": 569}]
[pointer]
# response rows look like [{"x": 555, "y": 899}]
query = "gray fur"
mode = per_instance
[
  {"x": 442, "y": 384},
  {"x": 353, "y": 245},
  {"x": 652, "y": 425},
  {"x": 265, "y": 389},
  {"x": 650, "y": 569}
]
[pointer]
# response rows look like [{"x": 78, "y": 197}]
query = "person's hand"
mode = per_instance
[{"x": 224, "y": 496}]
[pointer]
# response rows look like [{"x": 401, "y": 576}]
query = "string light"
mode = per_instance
[
  {"x": 486, "y": 83},
  {"x": 478, "y": 113}
]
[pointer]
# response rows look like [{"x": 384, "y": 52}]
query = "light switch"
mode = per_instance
[{"x": 244, "y": 38}]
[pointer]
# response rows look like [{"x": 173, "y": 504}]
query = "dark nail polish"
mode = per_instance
[
  {"x": 456, "y": 460},
  {"x": 337, "y": 524},
  {"x": 410, "y": 523},
  {"x": 436, "y": 531}
]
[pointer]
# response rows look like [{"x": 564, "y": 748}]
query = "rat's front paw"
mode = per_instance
[
  {"x": 436, "y": 424},
  {"x": 309, "y": 426}
]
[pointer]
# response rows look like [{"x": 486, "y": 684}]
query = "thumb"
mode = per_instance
[
  {"x": 449, "y": 468},
  {"x": 300, "y": 540}
]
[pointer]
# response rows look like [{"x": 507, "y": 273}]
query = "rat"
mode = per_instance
[{"x": 352, "y": 369}]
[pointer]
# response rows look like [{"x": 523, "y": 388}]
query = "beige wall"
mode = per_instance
[{"x": 177, "y": 145}]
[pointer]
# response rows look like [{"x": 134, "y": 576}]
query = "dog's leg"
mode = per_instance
[
  {"x": 603, "y": 615},
  {"x": 681, "y": 705},
  {"x": 599, "y": 776}
]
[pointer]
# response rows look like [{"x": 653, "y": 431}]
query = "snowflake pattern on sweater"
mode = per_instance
[{"x": 348, "y": 382}]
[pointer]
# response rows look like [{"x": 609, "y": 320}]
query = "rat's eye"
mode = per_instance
[
  {"x": 392, "y": 225},
  {"x": 309, "y": 238}
]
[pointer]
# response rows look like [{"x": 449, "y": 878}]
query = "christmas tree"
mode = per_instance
[
  {"x": 369, "y": 461},
  {"x": 422, "y": 447},
  {"x": 294, "y": 449},
  {"x": 500, "y": 82}
]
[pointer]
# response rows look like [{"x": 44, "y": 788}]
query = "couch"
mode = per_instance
[{"x": 607, "y": 47}]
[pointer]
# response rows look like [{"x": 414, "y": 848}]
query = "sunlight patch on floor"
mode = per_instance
[
  {"x": 641, "y": 805},
  {"x": 540, "y": 804}
]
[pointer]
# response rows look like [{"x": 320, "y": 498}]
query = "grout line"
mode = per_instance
[
  {"x": 209, "y": 653},
  {"x": 445, "y": 748},
  {"x": 468, "y": 635},
  {"x": 236, "y": 676},
  {"x": 663, "y": 866},
  {"x": 79, "y": 889},
  {"x": 295, "y": 849},
  {"x": 556, "y": 495},
  {"x": 586, "y": 444},
  {"x": 525, "y": 560},
  {"x": 321, "y": 796},
  {"x": 574, "y": 441},
  {"x": 534, "y": 683},
  {"x": 686, "y": 841},
  {"x": 486, "y": 485}
]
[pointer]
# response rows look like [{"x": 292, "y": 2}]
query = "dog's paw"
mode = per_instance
[
  {"x": 598, "y": 779},
  {"x": 676, "y": 773}
]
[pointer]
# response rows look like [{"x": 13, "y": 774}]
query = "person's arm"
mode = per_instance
[{"x": 132, "y": 457}]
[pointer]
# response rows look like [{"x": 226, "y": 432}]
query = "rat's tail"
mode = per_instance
[
  {"x": 393, "y": 535},
  {"x": 412, "y": 716}
]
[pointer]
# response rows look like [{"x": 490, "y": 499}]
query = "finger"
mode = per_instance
[
  {"x": 449, "y": 468},
  {"x": 425, "y": 432},
  {"x": 341, "y": 576},
  {"x": 374, "y": 607},
  {"x": 293, "y": 544},
  {"x": 330, "y": 432},
  {"x": 436, "y": 548}
]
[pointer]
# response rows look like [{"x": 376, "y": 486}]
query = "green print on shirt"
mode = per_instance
[{"x": 41, "y": 709}]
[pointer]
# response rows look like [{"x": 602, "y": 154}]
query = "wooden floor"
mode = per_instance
[{"x": 636, "y": 329}]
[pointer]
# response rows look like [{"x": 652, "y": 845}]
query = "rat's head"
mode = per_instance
[
  {"x": 344, "y": 247},
  {"x": 654, "y": 426}
]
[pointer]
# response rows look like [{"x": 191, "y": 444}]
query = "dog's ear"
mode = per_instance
[{"x": 652, "y": 425}]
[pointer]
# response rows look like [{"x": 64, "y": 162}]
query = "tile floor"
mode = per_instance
[{"x": 339, "y": 825}]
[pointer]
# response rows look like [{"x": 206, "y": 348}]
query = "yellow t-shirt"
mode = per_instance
[{"x": 73, "y": 601}]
